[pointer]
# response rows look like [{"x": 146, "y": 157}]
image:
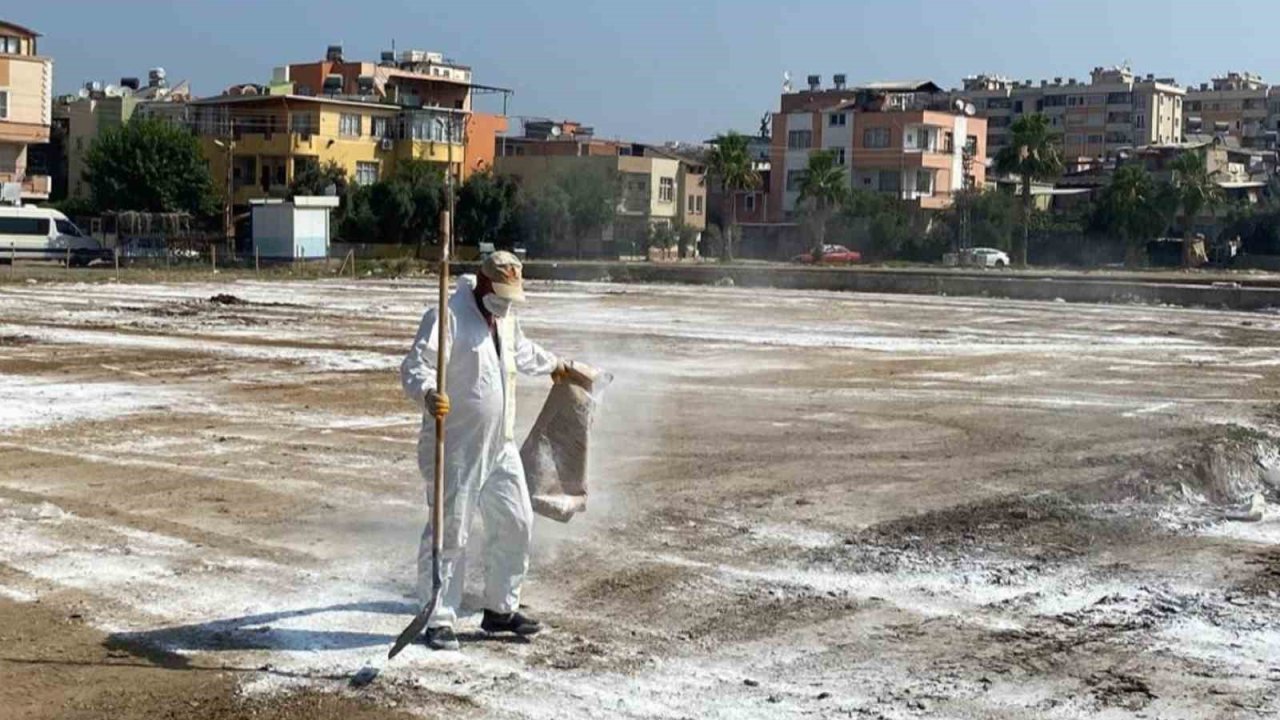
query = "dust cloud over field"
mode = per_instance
[{"x": 804, "y": 505}]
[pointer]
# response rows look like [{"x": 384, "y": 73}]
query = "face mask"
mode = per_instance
[{"x": 496, "y": 306}]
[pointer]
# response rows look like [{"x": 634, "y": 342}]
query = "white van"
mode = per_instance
[{"x": 34, "y": 233}]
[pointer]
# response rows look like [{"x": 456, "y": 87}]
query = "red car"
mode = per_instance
[{"x": 831, "y": 255}]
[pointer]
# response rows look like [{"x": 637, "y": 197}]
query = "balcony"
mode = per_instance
[{"x": 34, "y": 187}]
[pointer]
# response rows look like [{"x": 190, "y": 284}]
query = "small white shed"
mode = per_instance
[{"x": 293, "y": 230}]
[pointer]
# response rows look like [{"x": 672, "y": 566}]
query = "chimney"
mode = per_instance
[{"x": 815, "y": 83}]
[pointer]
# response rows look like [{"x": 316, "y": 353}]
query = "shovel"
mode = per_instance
[{"x": 419, "y": 622}]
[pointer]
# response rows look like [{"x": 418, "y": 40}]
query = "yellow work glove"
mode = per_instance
[{"x": 437, "y": 404}]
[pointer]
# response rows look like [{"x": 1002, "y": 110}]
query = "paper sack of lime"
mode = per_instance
[{"x": 555, "y": 453}]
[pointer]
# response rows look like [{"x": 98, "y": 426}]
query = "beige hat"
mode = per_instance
[{"x": 506, "y": 272}]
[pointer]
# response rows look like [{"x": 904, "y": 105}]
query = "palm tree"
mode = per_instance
[
  {"x": 1032, "y": 154},
  {"x": 730, "y": 162},
  {"x": 1195, "y": 191},
  {"x": 1135, "y": 208},
  {"x": 822, "y": 185}
]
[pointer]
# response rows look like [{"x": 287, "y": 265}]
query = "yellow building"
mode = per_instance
[
  {"x": 26, "y": 87},
  {"x": 269, "y": 139}
]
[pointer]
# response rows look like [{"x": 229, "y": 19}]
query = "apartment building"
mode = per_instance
[
  {"x": 1115, "y": 109},
  {"x": 901, "y": 138},
  {"x": 99, "y": 107},
  {"x": 365, "y": 117},
  {"x": 26, "y": 109},
  {"x": 656, "y": 187},
  {"x": 1238, "y": 104},
  {"x": 269, "y": 139}
]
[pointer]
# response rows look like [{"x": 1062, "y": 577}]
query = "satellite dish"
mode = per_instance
[
  {"x": 970, "y": 110},
  {"x": 786, "y": 82},
  {"x": 959, "y": 105},
  {"x": 556, "y": 131}
]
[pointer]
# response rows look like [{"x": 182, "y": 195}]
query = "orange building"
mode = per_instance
[{"x": 899, "y": 138}]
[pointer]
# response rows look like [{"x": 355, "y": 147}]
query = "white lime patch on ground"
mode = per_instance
[{"x": 33, "y": 402}]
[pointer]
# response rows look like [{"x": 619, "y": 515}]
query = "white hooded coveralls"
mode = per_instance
[{"x": 482, "y": 469}]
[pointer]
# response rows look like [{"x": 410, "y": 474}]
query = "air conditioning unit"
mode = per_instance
[{"x": 387, "y": 143}]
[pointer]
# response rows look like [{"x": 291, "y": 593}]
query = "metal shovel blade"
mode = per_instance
[{"x": 419, "y": 622}]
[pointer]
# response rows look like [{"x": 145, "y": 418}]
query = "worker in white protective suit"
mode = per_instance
[{"x": 482, "y": 469}]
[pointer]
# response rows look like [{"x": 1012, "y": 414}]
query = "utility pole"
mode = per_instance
[
  {"x": 228, "y": 143},
  {"x": 228, "y": 222}
]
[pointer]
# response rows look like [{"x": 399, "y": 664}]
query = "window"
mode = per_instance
[
  {"x": 1017, "y": 106},
  {"x": 998, "y": 104},
  {"x": 349, "y": 125},
  {"x": 793, "y": 180},
  {"x": 366, "y": 173},
  {"x": 666, "y": 189},
  {"x": 378, "y": 127},
  {"x": 1096, "y": 100},
  {"x": 749, "y": 202},
  {"x": 890, "y": 181},
  {"x": 303, "y": 123},
  {"x": 66, "y": 227},
  {"x": 837, "y": 120},
  {"x": 10, "y": 45},
  {"x": 924, "y": 183},
  {"x": 1119, "y": 98},
  {"x": 875, "y": 137},
  {"x": 24, "y": 226},
  {"x": 698, "y": 203},
  {"x": 838, "y": 155},
  {"x": 1095, "y": 139},
  {"x": 4, "y": 104},
  {"x": 799, "y": 139},
  {"x": 1139, "y": 121},
  {"x": 1055, "y": 101}
]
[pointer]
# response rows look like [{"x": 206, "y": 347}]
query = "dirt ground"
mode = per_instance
[{"x": 804, "y": 505}]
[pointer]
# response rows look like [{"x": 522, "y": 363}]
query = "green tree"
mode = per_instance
[
  {"x": 543, "y": 217},
  {"x": 149, "y": 165},
  {"x": 980, "y": 218},
  {"x": 822, "y": 187},
  {"x": 1133, "y": 207},
  {"x": 1195, "y": 191},
  {"x": 890, "y": 233},
  {"x": 592, "y": 201},
  {"x": 1033, "y": 154},
  {"x": 316, "y": 179},
  {"x": 402, "y": 209},
  {"x": 729, "y": 162},
  {"x": 423, "y": 185},
  {"x": 487, "y": 205},
  {"x": 687, "y": 237}
]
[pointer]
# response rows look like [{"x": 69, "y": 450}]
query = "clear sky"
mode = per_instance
[{"x": 659, "y": 69}]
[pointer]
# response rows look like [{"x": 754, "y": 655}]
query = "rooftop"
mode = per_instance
[{"x": 16, "y": 28}]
